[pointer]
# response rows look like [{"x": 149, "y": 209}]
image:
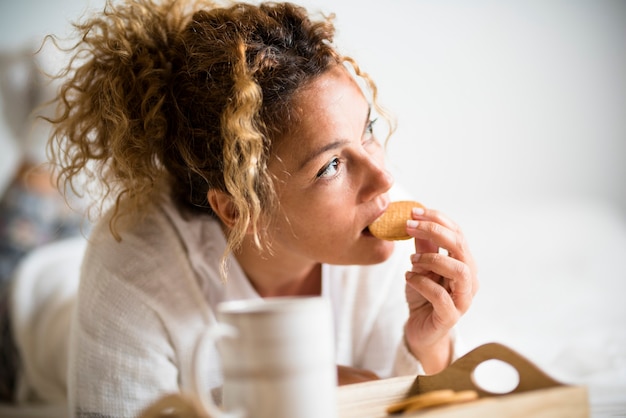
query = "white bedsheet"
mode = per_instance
[{"x": 553, "y": 288}]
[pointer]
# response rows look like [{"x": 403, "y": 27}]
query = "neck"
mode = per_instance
[{"x": 279, "y": 273}]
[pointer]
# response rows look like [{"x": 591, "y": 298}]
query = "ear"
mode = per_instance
[{"x": 222, "y": 205}]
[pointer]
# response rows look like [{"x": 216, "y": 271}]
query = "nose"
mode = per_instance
[{"x": 376, "y": 180}]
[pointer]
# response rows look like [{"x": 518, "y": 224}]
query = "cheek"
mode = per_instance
[
  {"x": 328, "y": 219},
  {"x": 319, "y": 221}
]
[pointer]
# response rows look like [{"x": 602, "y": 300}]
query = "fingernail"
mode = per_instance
[
  {"x": 415, "y": 258},
  {"x": 412, "y": 223},
  {"x": 418, "y": 211}
]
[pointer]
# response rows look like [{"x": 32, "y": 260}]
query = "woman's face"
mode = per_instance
[{"x": 331, "y": 179}]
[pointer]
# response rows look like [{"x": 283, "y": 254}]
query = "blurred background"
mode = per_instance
[
  {"x": 518, "y": 100},
  {"x": 512, "y": 120}
]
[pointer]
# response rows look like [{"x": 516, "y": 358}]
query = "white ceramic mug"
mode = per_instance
[{"x": 277, "y": 359}]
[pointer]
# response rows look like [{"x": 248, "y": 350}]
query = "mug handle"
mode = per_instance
[{"x": 212, "y": 334}]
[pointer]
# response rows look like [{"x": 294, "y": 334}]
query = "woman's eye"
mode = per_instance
[
  {"x": 370, "y": 126},
  {"x": 369, "y": 136},
  {"x": 330, "y": 169}
]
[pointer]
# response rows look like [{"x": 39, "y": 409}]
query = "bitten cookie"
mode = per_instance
[{"x": 391, "y": 225}]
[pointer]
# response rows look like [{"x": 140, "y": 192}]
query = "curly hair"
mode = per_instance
[{"x": 189, "y": 94}]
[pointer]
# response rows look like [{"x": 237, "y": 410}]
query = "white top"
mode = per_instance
[{"x": 143, "y": 302}]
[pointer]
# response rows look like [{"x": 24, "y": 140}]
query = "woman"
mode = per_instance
[{"x": 236, "y": 149}]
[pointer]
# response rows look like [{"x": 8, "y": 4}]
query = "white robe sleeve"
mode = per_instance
[{"x": 120, "y": 359}]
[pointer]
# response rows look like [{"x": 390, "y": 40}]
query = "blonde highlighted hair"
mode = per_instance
[{"x": 192, "y": 94}]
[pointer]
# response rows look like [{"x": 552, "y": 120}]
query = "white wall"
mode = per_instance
[
  {"x": 515, "y": 99},
  {"x": 521, "y": 100}
]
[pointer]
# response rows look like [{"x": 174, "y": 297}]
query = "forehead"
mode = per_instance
[
  {"x": 330, "y": 108},
  {"x": 328, "y": 91}
]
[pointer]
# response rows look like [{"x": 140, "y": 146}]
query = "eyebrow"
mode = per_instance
[{"x": 332, "y": 145}]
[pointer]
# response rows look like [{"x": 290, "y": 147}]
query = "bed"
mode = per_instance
[{"x": 553, "y": 284}]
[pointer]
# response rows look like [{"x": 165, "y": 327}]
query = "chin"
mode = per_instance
[
  {"x": 375, "y": 251},
  {"x": 378, "y": 253}
]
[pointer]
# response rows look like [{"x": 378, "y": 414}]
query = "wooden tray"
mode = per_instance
[{"x": 536, "y": 395}]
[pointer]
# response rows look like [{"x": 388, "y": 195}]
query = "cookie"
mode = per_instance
[
  {"x": 422, "y": 399},
  {"x": 431, "y": 399},
  {"x": 391, "y": 225}
]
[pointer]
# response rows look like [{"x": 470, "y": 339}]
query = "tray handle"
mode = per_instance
[{"x": 460, "y": 374}]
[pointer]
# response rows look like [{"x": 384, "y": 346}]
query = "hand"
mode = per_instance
[
  {"x": 440, "y": 287},
  {"x": 348, "y": 375}
]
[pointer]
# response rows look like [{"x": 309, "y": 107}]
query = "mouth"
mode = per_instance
[{"x": 367, "y": 232}]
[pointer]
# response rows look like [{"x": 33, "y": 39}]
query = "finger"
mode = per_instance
[
  {"x": 455, "y": 246},
  {"x": 434, "y": 216},
  {"x": 443, "y": 306},
  {"x": 425, "y": 246},
  {"x": 459, "y": 278},
  {"x": 439, "y": 235}
]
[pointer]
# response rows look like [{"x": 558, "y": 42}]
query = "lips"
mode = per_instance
[{"x": 380, "y": 211}]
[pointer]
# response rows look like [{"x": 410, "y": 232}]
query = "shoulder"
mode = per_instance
[
  {"x": 144, "y": 244},
  {"x": 152, "y": 261},
  {"x": 140, "y": 289}
]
